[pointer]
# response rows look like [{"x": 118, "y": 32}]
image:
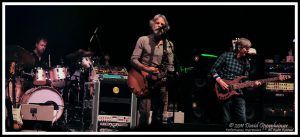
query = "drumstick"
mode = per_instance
[{"x": 49, "y": 62}]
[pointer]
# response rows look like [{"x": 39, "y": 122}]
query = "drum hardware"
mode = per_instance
[
  {"x": 28, "y": 74},
  {"x": 75, "y": 98},
  {"x": 20, "y": 58}
]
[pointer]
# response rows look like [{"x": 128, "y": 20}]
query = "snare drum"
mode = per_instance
[{"x": 58, "y": 76}]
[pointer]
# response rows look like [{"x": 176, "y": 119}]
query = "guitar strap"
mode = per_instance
[
  {"x": 165, "y": 53},
  {"x": 8, "y": 105}
]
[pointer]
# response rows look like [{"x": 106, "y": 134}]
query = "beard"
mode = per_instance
[
  {"x": 157, "y": 32},
  {"x": 41, "y": 51}
]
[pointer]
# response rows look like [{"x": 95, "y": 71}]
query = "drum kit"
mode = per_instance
[{"x": 54, "y": 85}]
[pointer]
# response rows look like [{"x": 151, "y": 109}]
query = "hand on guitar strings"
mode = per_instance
[
  {"x": 223, "y": 84},
  {"x": 152, "y": 70},
  {"x": 256, "y": 84},
  {"x": 284, "y": 77}
]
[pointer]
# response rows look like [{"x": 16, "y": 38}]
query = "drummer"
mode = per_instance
[
  {"x": 38, "y": 52},
  {"x": 40, "y": 61}
]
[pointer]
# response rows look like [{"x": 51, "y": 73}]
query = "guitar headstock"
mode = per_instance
[
  {"x": 284, "y": 77},
  {"x": 12, "y": 68}
]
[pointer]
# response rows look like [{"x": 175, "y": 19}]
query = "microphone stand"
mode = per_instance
[
  {"x": 176, "y": 64},
  {"x": 98, "y": 42},
  {"x": 176, "y": 61}
]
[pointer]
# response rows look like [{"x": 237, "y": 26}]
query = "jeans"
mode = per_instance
[
  {"x": 155, "y": 102},
  {"x": 234, "y": 110}
]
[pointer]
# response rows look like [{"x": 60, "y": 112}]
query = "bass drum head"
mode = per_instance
[{"x": 45, "y": 95}]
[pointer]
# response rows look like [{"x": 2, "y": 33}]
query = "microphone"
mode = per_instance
[
  {"x": 252, "y": 51},
  {"x": 95, "y": 32},
  {"x": 164, "y": 28}
]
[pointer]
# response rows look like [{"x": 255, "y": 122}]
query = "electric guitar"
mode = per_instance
[
  {"x": 16, "y": 111},
  {"x": 223, "y": 95},
  {"x": 140, "y": 82}
]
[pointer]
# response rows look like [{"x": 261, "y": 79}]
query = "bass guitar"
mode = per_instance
[{"x": 223, "y": 95}]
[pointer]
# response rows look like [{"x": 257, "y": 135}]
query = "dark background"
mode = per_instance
[{"x": 194, "y": 28}]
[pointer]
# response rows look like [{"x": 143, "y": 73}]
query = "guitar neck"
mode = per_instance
[
  {"x": 252, "y": 83},
  {"x": 12, "y": 89},
  {"x": 13, "y": 82}
]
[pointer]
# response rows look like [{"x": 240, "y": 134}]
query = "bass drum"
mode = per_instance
[{"x": 45, "y": 95}]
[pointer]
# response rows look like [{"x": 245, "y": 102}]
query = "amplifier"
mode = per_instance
[
  {"x": 280, "y": 86},
  {"x": 112, "y": 78},
  {"x": 114, "y": 106},
  {"x": 279, "y": 98},
  {"x": 116, "y": 70},
  {"x": 280, "y": 67}
]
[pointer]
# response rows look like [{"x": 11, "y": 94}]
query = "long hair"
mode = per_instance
[{"x": 151, "y": 22}]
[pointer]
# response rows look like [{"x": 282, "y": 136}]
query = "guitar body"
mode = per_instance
[
  {"x": 223, "y": 94},
  {"x": 137, "y": 82},
  {"x": 17, "y": 120},
  {"x": 18, "y": 123},
  {"x": 13, "y": 117},
  {"x": 234, "y": 85}
]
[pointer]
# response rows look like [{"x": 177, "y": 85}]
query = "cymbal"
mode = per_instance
[{"x": 19, "y": 55}]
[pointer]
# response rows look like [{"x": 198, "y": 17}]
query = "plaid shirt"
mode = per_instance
[{"x": 228, "y": 66}]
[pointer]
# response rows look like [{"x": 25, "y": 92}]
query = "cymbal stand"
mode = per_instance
[{"x": 66, "y": 97}]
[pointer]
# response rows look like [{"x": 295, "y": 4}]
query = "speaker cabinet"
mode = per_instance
[
  {"x": 253, "y": 112},
  {"x": 279, "y": 96},
  {"x": 113, "y": 107}
]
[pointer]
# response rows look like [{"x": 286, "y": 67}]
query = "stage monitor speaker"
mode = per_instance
[{"x": 113, "y": 106}]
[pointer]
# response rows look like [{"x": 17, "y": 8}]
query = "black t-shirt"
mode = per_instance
[{"x": 40, "y": 63}]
